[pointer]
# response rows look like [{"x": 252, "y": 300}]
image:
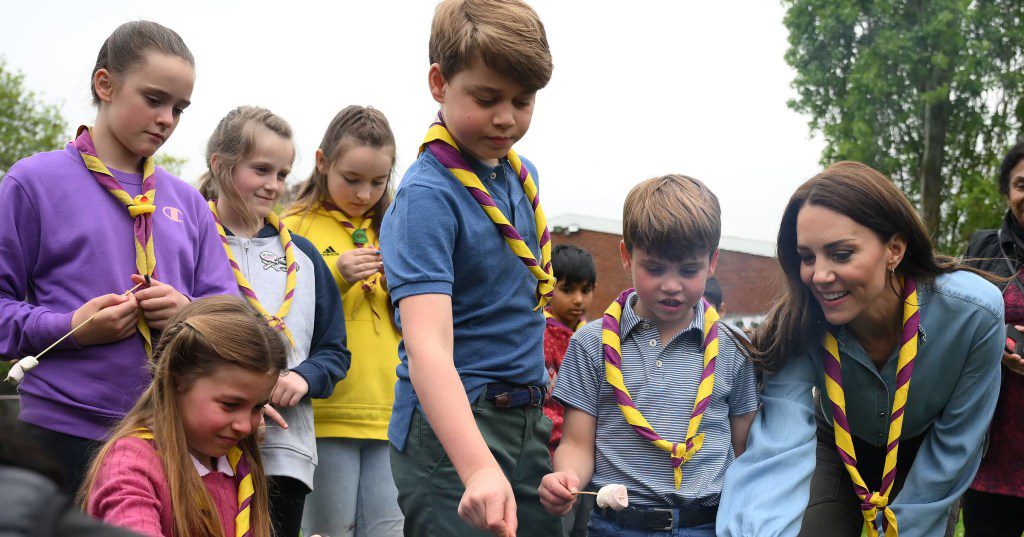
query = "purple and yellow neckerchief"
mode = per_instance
[
  {"x": 140, "y": 208},
  {"x": 872, "y": 502},
  {"x": 275, "y": 320},
  {"x": 679, "y": 452},
  {"x": 441, "y": 144},
  {"x": 360, "y": 237},
  {"x": 548, "y": 315},
  {"x": 243, "y": 482}
]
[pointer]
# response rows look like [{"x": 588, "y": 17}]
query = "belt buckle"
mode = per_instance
[
  {"x": 671, "y": 519},
  {"x": 503, "y": 400},
  {"x": 540, "y": 396}
]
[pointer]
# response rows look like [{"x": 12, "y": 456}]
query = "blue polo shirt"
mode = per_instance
[{"x": 436, "y": 239}]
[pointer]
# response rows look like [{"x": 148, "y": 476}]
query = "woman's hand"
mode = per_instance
[{"x": 1013, "y": 362}]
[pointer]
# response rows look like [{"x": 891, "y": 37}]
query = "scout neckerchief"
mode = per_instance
[
  {"x": 872, "y": 502},
  {"x": 243, "y": 482},
  {"x": 276, "y": 320},
  {"x": 444, "y": 148},
  {"x": 140, "y": 208},
  {"x": 680, "y": 452},
  {"x": 549, "y": 315},
  {"x": 360, "y": 238}
]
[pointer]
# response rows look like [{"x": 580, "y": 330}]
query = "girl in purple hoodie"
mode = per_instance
[{"x": 81, "y": 225}]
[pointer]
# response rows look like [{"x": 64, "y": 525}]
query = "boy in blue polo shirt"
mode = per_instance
[
  {"x": 665, "y": 406},
  {"x": 467, "y": 258}
]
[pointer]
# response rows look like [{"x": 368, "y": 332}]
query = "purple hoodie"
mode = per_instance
[{"x": 65, "y": 240}]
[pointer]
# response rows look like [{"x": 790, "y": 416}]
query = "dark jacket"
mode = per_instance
[
  {"x": 31, "y": 504},
  {"x": 993, "y": 250}
]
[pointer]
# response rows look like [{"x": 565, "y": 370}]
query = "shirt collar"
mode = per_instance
[
  {"x": 223, "y": 466},
  {"x": 630, "y": 319},
  {"x": 483, "y": 171}
]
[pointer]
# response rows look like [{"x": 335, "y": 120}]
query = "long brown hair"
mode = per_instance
[
  {"x": 868, "y": 198},
  {"x": 232, "y": 140},
  {"x": 358, "y": 125},
  {"x": 205, "y": 335}
]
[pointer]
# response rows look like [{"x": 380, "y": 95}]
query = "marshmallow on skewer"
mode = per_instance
[
  {"x": 26, "y": 364},
  {"x": 613, "y": 496},
  {"x": 18, "y": 370}
]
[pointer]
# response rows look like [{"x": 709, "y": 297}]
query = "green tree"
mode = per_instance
[
  {"x": 171, "y": 163},
  {"x": 930, "y": 92},
  {"x": 27, "y": 125}
]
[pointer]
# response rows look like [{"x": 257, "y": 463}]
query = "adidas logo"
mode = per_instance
[{"x": 329, "y": 251}]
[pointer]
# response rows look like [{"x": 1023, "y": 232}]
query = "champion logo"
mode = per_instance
[
  {"x": 173, "y": 213},
  {"x": 329, "y": 251}
]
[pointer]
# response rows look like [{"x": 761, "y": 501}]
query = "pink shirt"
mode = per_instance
[{"x": 131, "y": 491}]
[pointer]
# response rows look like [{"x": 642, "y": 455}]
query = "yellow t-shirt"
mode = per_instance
[{"x": 361, "y": 404}]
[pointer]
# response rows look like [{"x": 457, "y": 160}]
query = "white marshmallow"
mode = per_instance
[
  {"x": 614, "y": 496},
  {"x": 18, "y": 370}
]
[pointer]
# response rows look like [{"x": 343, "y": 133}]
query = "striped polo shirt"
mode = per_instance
[{"x": 662, "y": 381}]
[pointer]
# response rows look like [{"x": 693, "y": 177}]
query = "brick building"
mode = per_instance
[{"x": 747, "y": 269}]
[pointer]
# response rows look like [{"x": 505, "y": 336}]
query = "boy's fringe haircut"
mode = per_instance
[
  {"x": 673, "y": 217},
  {"x": 205, "y": 335},
  {"x": 506, "y": 34}
]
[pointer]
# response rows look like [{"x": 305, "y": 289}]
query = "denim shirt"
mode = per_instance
[
  {"x": 952, "y": 397},
  {"x": 436, "y": 239}
]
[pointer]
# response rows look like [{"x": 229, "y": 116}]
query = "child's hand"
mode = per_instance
[
  {"x": 557, "y": 491},
  {"x": 274, "y": 415},
  {"x": 289, "y": 390},
  {"x": 359, "y": 263},
  {"x": 115, "y": 321},
  {"x": 489, "y": 504},
  {"x": 159, "y": 301}
]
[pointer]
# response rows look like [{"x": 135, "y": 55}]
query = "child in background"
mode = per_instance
[
  {"x": 713, "y": 293},
  {"x": 177, "y": 465},
  {"x": 576, "y": 274},
  {"x": 339, "y": 208},
  {"x": 81, "y": 225},
  {"x": 468, "y": 260},
  {"x": 249, "y": 156},
  {"x": 659, "y": 349}
]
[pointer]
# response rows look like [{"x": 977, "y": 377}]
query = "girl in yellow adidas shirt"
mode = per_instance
[{"x": 339, "y": 209}]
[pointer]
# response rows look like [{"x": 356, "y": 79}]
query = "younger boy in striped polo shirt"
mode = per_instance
[{"x": 665, "y": 405}]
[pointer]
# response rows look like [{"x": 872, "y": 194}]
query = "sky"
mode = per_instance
[{"x": 639, "y": 89}]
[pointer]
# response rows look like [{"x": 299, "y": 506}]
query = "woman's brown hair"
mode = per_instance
[
  {"x": 204, "y": 336},
  {"x": 868, "y": 198}
]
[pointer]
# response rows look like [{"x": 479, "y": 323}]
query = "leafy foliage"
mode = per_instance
[
  {"x": 27, "y": 125},
  {"x": 880, "y": 78},
  {"x": 171, "y": 163}
]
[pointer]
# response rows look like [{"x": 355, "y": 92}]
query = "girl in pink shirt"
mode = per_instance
[{"x": 184, "y": 461}]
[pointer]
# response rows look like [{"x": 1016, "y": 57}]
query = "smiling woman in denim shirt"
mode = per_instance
[{"x": 853, "y": 251}]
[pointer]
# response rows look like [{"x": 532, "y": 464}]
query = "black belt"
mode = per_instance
[
  {"x": 509, "y": 396},
  {"x": 660, "y": 519}
]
